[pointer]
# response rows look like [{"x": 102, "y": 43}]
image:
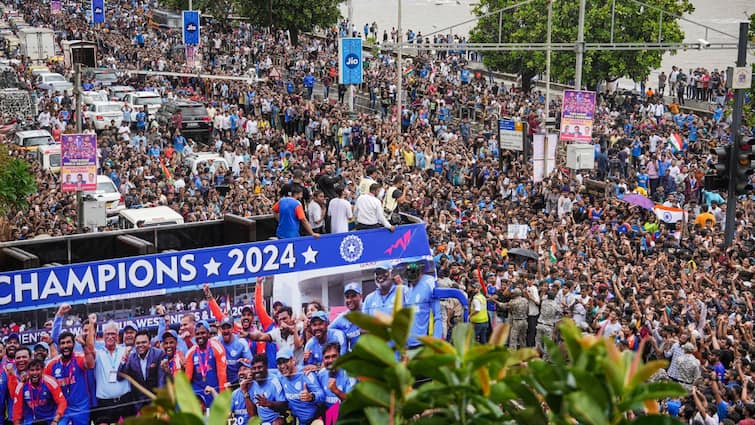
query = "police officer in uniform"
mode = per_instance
[
  {"x": 518, "y": 307},
  {"x": 550, "y": 311}
]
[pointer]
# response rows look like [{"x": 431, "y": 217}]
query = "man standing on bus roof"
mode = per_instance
[
  {"x": 321, "y": 336},
  {"x": 290, "y": 215},
  {"x": 352, "y": 294},
  {"x": 70, "y": 370}
]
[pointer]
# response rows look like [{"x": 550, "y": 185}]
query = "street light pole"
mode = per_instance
[
  {"x": 399, "y": 71},
  {"x": 548, "y": 63},
  {"x": 580, "y": 46},
  {"x": 736, "y": 126},
  {"x": 349, "y": 94}
]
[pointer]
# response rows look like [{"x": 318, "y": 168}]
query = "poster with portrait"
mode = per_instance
[
  {"x": 78, "y": 171},
  {"x": 577, "y": 113}
]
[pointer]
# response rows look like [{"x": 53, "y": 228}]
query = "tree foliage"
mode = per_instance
[
  {"x": 219, "y": 9},
  {"x": 528, "y": 24},
  {"x": 16, "y": 183},
  {"x": 587, "y": 380},
  {"x": 297, "y": 16}
]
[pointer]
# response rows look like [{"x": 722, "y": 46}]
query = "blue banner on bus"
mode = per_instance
[
  {"x": 350, "y": 61},
  {"x": 191, "y": 27},
  {"x": 98, "y": 11},
  {"x": 159, "y": 274}
]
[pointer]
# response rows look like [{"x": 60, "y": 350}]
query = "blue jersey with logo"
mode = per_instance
[
  {"x": 315, "y": 348},
  {"x": 235, "y": 351},
  {"x": 420, "y": 298},
  {"x": 343, "y": 382},
  {"x": 304, "y": 411},
  {"x": 72, "y": 378},
  {"x": 272, "y": 390},
  {"x": 349, "y": 329}
]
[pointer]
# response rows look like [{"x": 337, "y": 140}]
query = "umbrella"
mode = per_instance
[
  {"x": 524, "y": 253},
  {"x": 639, "y": 200}
]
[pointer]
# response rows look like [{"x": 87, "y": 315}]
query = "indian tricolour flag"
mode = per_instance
[
  {"x": 668, "y": 214},
  {"x": 676, "y": 142},
  {"x": 552, "y": 253}
]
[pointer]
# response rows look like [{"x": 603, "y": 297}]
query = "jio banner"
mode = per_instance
[
  {"x": 350, "y": 61},
  {"x": 191, "y": 27},
  {"x": 577, "y": 113},
  {"x": 98, "y": 11},
  {"x": 289, "y": 261},
  {"x": 78, "y": 169}
]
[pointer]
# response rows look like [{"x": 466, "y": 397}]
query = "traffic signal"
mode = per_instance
[
  {"x": 720, "y": 179},
  {"x": 745, "y": 166}
]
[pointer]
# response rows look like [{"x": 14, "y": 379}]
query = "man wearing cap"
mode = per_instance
[
  {"x": 11, "y": 345},
  {"x": 265, "y": 392},
  {"x": 206, "y": 365},
  {"x": 302, "y": 390},
  {"x": 419, "y": 296},
  {"x": 688, "y": 367},
  {"x": 129, "y": 334},
  {"x": 173, "y": 360},
  {"x": 112, "y": 392},
  {"x": 235, "y": 350},
  {"x": 42, "y": 351},
  {"x": 352, "y": 294},
  {"x": 242, "y": 407},
  {"x": 143, "y": 365},
  {"x": 321, "y": 335},
  {"x": 382, "y": 298}
]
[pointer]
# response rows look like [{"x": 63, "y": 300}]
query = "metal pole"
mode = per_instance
[
  {"x": 500, "y": 24},
  {"x": 548, "y": 65},
  {"x": 77, "y": 116},
  {"x": 349, "y": 95},
  {"x": 191, "y": 4},
  {"x": 736, "y": 126},
  {"x": 660, "y": 27},
  {"x": 399, "y": 71},
  {"x": 613, "y": 18},
  {"x": 580, "y": 46}
]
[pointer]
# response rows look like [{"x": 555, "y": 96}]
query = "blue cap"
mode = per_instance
[
  {"x": 43, "y": 345},
  {"x": 202, "y": 323},
  {"x": 13, "y": 336},
  {"x": 170, "y": 333},
  {"x": 227, "y": 321},
  {"x": 353, "y": 286},
  {"x": 321, "y": 315},
  {"x": 129, "y": 325},
  {"x": 284, "y": 354}
]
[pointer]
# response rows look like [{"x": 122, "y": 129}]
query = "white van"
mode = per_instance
[
  {"x": 148, "y": 217},
  {"x": 49, "y": 157}
]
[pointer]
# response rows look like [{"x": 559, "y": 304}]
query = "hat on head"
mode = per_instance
[
  {"x": 321, "y": 315},
  {"x": 170, "y": 333},
  {"x": 202, "y": 323},
  {"x": 247, "y": 307},
  {"x": 284, "y": 354},
  {"x": 353, "y": 286},
  {"x": 43, "y": 345},
  {"x": 13, "y": 336},
  {"x": 227, "y": 321},
  {"x": 130, "y": 325}
]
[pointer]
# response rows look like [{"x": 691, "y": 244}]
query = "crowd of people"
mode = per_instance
[{"x": 617, "y": 269}]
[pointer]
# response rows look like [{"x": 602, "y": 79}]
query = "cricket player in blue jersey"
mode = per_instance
[
  {"x": 321, "y": 335},
  {"x": 381, "y": 299},
  {"x": 235, "y": 350},
  {"x": 334, "y": 382},
  {"x": 302, "y": 390},
  {"x": 419, "y": 296},
  {"x": 352, "y": 293}
]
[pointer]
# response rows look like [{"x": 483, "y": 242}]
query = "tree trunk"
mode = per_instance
[
  {"x": 6, "y": 230},
  {"x": 527, "y": 75},
  {"x": 294, "y": 35}
]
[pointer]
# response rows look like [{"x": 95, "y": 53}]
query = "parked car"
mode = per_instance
[
  {"x": 53, "y": 82},
  {"x": 107, "y": 192},
  {"x": 198, "y": 161},
  {"x": 103, "y": 113},
  {"x": 143, "y": 99},
  {"x": 92, "y": 96},
  {"x": 32, "y": 139},
  {"x": 104, "y": 77},
  {"x": 117, "y": 93},
  {"x": 196, "y": 123}
]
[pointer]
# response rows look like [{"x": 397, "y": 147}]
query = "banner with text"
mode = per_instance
[
  {"x": 577, "y": 114},
  {"x": 350, "y": 61},
  {"x": 98, "y": 11},
  {"x": 78, "y": 169},
  {"x": 191, "y": 27},
  {"x": 159, "y": 274},
  {"x": 511, "y": 134}
]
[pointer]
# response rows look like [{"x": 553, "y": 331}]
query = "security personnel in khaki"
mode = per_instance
[
  {"x": 550, "y": 312},
  {"x": 518, "y": 308}
]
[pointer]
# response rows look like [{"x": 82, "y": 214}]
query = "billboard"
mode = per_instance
[
  {"x": 328, "y": 260},
  {"x": 98, "y": 11},
  {"x": 78, "y": 171},
  {"x": 190, "y": 25},
  {"x": 577, "y": 112},
  {"x": 350, "y": 61},
  {"x": 511, "y": 134}
]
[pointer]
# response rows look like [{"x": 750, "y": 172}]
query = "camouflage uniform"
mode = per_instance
[
  {"x": 518, "y": 308},
  {"x": 550, "y": 312}
]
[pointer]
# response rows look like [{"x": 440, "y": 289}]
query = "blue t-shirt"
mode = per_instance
[
  {"x": 636, "y": 148},
  {"x": 315, "y": 348},
  {"x": 343, "y": 382},
  {"x": 350, "y": 330},
  {"x": 642, "y": 180},
  {"x": 270, "y": 389},
  {"x": 288, "y": 224},
  {"x": 420, "y": 298},
  {"x": 304, "y": 411},
  {"x": 235, "y": 351}
]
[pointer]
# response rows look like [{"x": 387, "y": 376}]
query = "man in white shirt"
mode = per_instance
[
  {"x": 369, "y": 211},
  {"x": 340, "y": 212},
  {"x": 316, "y": 213}
]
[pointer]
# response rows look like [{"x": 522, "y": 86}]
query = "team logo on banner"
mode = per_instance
[
  {"x": 351, "y": 248},
  {"x": 98, "y": 11}
]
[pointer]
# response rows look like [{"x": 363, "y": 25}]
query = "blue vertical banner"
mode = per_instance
[
  {"x": 350, "y": 61},
  {"x": 98, "y": 11},
  {"x": 191, "y": 27}
]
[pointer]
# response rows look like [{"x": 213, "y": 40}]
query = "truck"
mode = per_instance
[
  {"x": 38, "y": 44},
  {"x": 79, "y": 51}
]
